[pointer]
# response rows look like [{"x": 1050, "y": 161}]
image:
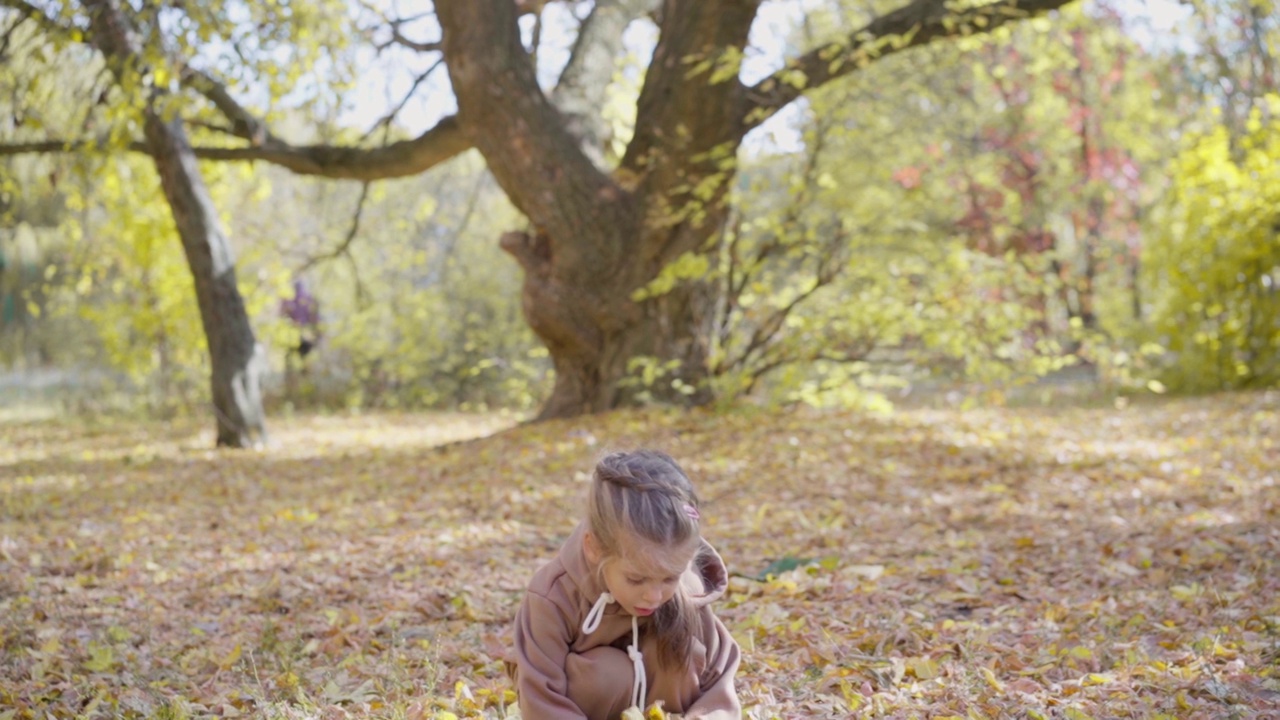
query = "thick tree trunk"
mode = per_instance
[
  {"x": 595, "y": 333},
  {"x": 595, "y": 239},
  {"x": 237, "y": 361}
]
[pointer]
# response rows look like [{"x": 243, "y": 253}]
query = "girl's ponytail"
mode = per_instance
[{"x": 676, "y": 624}]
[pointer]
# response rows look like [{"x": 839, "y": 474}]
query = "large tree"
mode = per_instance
[
  {"x": 236, "y": 359},
  {"x": 599, "y": 236}
]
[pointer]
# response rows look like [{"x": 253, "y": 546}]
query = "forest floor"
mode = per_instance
[{"x": 1044, "y": 563}]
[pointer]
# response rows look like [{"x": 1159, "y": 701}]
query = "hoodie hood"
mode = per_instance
[{"x": 708, "y": 567}]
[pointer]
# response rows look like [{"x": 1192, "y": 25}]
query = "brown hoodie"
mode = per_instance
[{"x": 548, "y": 631}]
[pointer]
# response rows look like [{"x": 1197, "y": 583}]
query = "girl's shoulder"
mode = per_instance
[
  {"x": 567, "y": 578},
  {"x": 548, "y": 577}
]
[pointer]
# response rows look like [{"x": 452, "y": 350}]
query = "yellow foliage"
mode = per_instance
[{"x": 1213, "y": 262}]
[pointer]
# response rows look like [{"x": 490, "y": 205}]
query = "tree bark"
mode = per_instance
[
  {"x": 236, "y": 358},
  {"x": 583, "y": 86}
]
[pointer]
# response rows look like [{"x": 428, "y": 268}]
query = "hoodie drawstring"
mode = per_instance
[
  {"x": 639, "y": 688},
  {"x": 597, "y": 614}
]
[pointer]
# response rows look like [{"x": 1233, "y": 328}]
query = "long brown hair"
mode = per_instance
[{"x": 645, "y": 495}]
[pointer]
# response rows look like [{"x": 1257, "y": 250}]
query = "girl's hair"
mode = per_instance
[{"x": 644, "y": 495}]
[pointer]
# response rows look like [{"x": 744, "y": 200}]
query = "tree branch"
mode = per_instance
[
  {"x": 58, "y": 146},
  {"x": 580, "y": 92},
  {"x": 345, "y": 247},
  {"x": 243, "y": 123},
  {"x": 686, "y": 108},
  {"x": 913, "y": 25},
  {"x": 522, "y": 136},
  {"x": 390, "y": 117},
  {"x": 398, "y": 39},
  {"x": 399, "y": 159}
]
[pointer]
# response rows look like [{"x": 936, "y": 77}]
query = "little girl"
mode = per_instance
[{"x": 622, "y": 617}]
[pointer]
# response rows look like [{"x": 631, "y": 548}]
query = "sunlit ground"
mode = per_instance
[{"x": 995, "y": 562}]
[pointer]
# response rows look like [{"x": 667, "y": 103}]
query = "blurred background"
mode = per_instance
[{"x": 1080, "y": 206}]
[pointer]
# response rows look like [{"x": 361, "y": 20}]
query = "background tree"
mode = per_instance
[
  {"x": 1215, "y": 261},
  {"x": 984, "y": 197},
  {"x": 598, "y": 237},
  {"x": 1211, "y": 264},
  {"x": 133, "y": 50}
]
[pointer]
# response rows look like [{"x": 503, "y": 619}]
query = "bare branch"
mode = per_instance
[
  {"x": 243, "y": 123},
  {"x": 345, "y": 247},
  {"x": 343, "y": 250},
  {"x": 390, "y": 117},
  {"x": 755, "y": 357},
  {"x": 59, "y": 146},
  {"x": 399, "y": 39}
]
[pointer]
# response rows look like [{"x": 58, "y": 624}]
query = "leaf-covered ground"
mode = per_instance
[{"x": 1084, "y": 563}]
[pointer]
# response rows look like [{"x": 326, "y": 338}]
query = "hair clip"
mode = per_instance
[{"x": 691, "y": 511}]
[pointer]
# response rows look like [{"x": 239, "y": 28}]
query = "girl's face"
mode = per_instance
[{"x": 643, "y": 582}]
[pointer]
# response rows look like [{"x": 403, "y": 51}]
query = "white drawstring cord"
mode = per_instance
[
  {"x": 597, "y": 614},
  {"x": 640, "y": 686},
  {"x": 639, "y": 689}
]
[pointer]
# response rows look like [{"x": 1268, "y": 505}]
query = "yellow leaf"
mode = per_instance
[
  {"x": 922, "y": 668},
  {"x": 231, "y": 658},
  {"x": 992, "y": 680},
  {"x": 1095, "y": 679},
  {"x": 101, "y": 659}
]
